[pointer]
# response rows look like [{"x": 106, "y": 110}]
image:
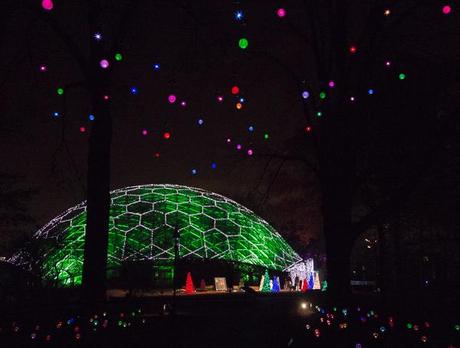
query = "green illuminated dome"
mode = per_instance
[{"x": 142, "y": 222}]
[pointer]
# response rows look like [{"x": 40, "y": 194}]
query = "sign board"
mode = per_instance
[{"x": 220, "y": 283}]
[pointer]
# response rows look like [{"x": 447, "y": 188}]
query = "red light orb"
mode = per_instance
[
  {"x": 446, "y": 9},
  {"x": 82, "y": 129},
  {"x": 235, "y": 90},
  {"x": 308, "y": 129},
  {"x": 353, "y": 49},
  {"x": 167, "y": 135}
]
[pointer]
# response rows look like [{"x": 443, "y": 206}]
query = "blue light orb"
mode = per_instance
[
  {"x": 194, "y": 171},
  {"x": 242, "y": 100},
  {"x": 156, "y": 66},
  {"x": 213, "y": 165},
  {"x": 55, "y": 114},
  {"x": 91, "y": 117},
  {"x": 251, "y": 128},
  {"x": 200, "y": 121},
  {"x": 134, "y": 90},
  {"x": 97, "y": 36},
  {"x": 370, "y": 91},
  {"x": 239, "y": 15},
  {"x": 305, "y": 94}
]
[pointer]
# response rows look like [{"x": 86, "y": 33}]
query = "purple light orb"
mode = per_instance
[
  {"x": 172, "y": 98},
  {"x": 104, "y": 63},
  {"x": 238, "y": 147},
  {"x": 250, "y": 152},
  {"x": 47, "y": 5},
  {"x": 43, "y": 68},
  {"x": 305, "y": 94},
  {"x": 331, "y": 84},
  {"x": 183, "y": 103},
  {"x": 281, "y": 12},
  {"x": 144, "y": 132}
]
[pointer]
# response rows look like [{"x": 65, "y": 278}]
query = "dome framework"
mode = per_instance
[{"x": 141, "y": 227}]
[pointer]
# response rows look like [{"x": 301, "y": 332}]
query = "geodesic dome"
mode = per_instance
[{"x": 141, "y": 227}]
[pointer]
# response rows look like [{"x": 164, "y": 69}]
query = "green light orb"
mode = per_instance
[
  {"x": 322, "y": 95},
  {"x": 118, "y": 57},
  {"x": 243, "y": 43},
  {"x": 402, "y": 76},
  {"x": 60, "y": 91},
  {"x": 319, "y": 114},
  {"x": 409, "y": 326},
  {"x": 457, "y": 327},
  {"x": 266, "y": 136}
]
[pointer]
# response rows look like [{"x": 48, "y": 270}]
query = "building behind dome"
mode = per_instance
[{"x": 142, "y": 222}]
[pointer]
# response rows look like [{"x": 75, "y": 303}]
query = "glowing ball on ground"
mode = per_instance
[
  {"x": 97, "y": 36},
  {"x": 133, "y": 90},
  {"x": 239, "y": 106},
  {"x": 82, "y": 129},
  {"x": 353, "y": 49},
  {"x": 402, "y": 76},
  {"x": 156, "y": 66},
  {"x": 250, "y": 152},
  {"x": 172, "y": 98},
  {"x": 220, "y": 99},
  {"x": 144, "y": 132},
  {"x": 305, "y": 94},
  {"x": 60, "y": 91},
  {"x": 118, "y": 57},
  {"x": 200, "y": 122},
  {"x": 331, "y": 84},
  {"x": 91, "y": 117},
  {"x": 166, "y": 135},
  {"x": 213, "y": 165},
  {"x": 235, "y": 90},
  {"x": 42, "y": 68}
]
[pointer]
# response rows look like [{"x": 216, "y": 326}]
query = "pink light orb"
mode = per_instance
[
  {"x": 104, "y": 63},
  {"x": 446, "y": 9},
  {"x": 387, "y": 63},
  {"x": 82, "y": 129},
  {"x": 352, "y": 99},
  {"x": 229, "y": 140},
  {"x": 47, "y": 5},
  {"x": 183, "y": 103},
  {"x": 250, "y": 152},
  {"x": 42, "y": 68},
  {"x": 331, "y": 84},
  {"x": 281, "y": 12},
  {"x": 172, "y": 98},
  {"x": 106, "y": 97},
  {"x": 238, "y": 147},
  {"x": 220, "y": 99},
  {"x": 144, "y": 132}
]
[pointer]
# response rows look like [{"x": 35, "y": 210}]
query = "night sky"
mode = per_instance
[{"x": 196, "y": 45}]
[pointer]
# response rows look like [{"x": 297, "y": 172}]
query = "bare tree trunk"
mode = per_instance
[{"x": 98, "y": 196}]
